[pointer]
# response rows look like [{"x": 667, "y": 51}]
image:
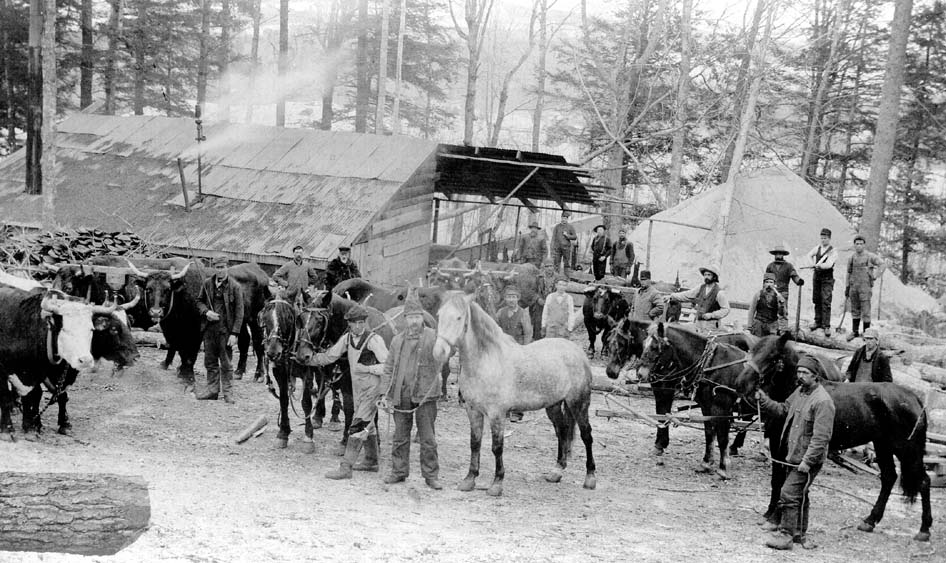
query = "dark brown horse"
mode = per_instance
[
  {"x": 890, "y": 416},
  {"x": 626, "y": 346}
]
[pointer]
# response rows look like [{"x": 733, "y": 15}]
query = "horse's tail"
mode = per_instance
[{"x": 912, "y": 470}]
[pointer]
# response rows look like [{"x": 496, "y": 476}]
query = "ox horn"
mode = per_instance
[
  {"x": 135, "y": 270},
  {"x": 180, "y": 274},
  {"x": 103, "y": 309},
  {"x": 50, "y": 303},
  {"x": 51, "y": 267},
  {"x": 132, "y": 303}
]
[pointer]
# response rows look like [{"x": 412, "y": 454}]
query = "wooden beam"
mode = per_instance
[
  {"x": 568, "y": 167},
  {"x": 552, "y": 193},
  {"x": 528, "y": 203}
]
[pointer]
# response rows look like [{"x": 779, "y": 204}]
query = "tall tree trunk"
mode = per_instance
[
  {"x": 50, "y": 83},
  {"x": 88, "y": 55},
  {"x": 202, "y": 61},
  {"x": 507, "y": 79},
  {"x": 114, "y": 36},
  {"x": 224, "y": 95},
  {"x": 362, "y": 83},
  {"x": 169, "y": 84},
  {"x": 34, "y": 108},
  {"x": 809, "y": 162},
  {"x": 396, "y": 118},
  {"x": 680, "y": 115},
  {"x": 853, "y": 104},
  {"x": 6, "y": 84},
  {"x": 138, "y": 99},
  {"x": 477, "y": 13},
  {"x": 331, "y": 43},
  {"x": 283, "y": 62},
  {"x": 254, "y": 59},
  {"x": 540, "y": 72},
  {"x": 742, "y": 86},
  {"x": 885, "y": 135},
  {"x": 906, "y": 246},
  {"x": 383, "y": 68}
]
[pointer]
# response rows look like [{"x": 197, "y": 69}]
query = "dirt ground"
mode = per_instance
[{"x": 212, "y": 500}]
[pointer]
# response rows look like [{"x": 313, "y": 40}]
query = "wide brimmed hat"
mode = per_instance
[
  {"x": 779, "y": 249},
  {"x": 533, "y": 224},
  {"x": 356, "y": 313},
  {"x": 344, "y": 248},
  {"x": 512, "y": 290},
  {"x": 599, "y": 227},
  {"x": 712, "y": 269},
  {"x": 871, "y": 333}
]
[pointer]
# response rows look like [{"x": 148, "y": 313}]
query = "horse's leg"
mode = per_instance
[
  {"x": 722, "y": 440},
  {"x": 308, "y": 446},
  {"x": 168, "y": 358},
  {"x": 927, "y": 519},
  {"x": 584, "y": 426},
  {"x": 281, "y": 373},
  {"x": 497, "y": 423},
  {"x": 663, "y": 396},
  {"x": 556, "y": 414},
  {"x": 888, "y": 476},
  {"x": 709, "y": 431},
  {"x": 243, "y": 345},
  {"x": 256, "y": 334},
  {"x": 592, "y": 329},
  {"x": 321, "y": 376},
  {"x": 779, "y": 473},
  {"x": 476, "y": 441},
  {"x": 444, "y": 375},
  {"x": 740, "y": 440}
]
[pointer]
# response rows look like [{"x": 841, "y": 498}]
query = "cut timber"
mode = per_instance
[
  {"x": 86, "y": 514},
  {"x": 674, "y": 418},
  {"x": 251, "y": 430},
  {"x": 148, "y": 338},
  {"x": 809, "y": 337}
]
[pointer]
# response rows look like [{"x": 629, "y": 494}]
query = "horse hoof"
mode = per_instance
[
  {"x": 495, "y": 490},
  {"x": 164, "y": 365},
  {"x": 65, "y": 430},
  {"x": 281, "y": 443},
  {"x": 308, "y": 447},
  {"x": 591, "y": 481},
  {"x": 553, "y": 476},
  {"x": 705, "y": 468},
  {"x": 922, "y": 536},
  {"x": 722, "y": 474},
  {"x": 466, "y": 485},
  {"x": 865, "y": 527}
]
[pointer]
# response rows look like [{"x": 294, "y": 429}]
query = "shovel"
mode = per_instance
[{"x": 843, "y": 314}]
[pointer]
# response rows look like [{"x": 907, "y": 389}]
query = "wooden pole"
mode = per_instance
[
  {"x": 34, "y": 105},
  {"x": 650, "y": 232},
  {"x": 50, "y": 83},
  {"x": 187, "y": 201},
  {"x": 436, "y": 220}
]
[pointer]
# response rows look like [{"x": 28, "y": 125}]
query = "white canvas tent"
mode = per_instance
[{"x": 741, "y": 221}]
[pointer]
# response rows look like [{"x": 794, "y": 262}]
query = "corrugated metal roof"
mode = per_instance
[{"x": 267, "y": 188}]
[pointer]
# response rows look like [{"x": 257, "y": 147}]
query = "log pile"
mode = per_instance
[{"x": 86, "y": 514}]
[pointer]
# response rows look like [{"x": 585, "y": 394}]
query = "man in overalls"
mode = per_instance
[
  {"x": 862, "y": 269},
  {"x": 366, "y": 356}
]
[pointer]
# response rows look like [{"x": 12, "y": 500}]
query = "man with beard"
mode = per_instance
[
  {"x": 622, "y": 256},
  {"x": 708, "y": 299},
  {"x": 532, "y": 247},
  {"x": 766, "y": 308},
  {"x": 341, "y": 268},
  {"x": 783, "y": 271},
  {"x": 220, "y": 304},
  {"x": 563, "y": 237},
  {"x": 600, "y": 250},
  {"x": 648, "y": 303}
]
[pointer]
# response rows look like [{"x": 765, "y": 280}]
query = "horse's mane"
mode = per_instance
[{"x": 486, "y": 332}]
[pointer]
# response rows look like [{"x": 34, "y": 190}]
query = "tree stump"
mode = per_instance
[{"x": 85, "y": 514}]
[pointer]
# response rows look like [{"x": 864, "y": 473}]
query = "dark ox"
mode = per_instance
[
  {"x": 603, "y": 309},
  {"x": 44, "y": 338}
]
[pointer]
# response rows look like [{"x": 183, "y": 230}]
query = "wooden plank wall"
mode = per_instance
[{"x": 398, "y": 245}]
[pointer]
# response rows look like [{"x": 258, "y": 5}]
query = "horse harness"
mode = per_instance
[{"x": 699, "y": 369}]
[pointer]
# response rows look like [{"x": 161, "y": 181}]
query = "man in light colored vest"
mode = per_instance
[
  {"x": 822, "y": 258},
  {"x": 558, "y": 316}
]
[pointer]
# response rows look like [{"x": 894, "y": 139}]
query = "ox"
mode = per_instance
[
  {"x": 602, "y": 309},
  {"x": 41, "y": 335}
]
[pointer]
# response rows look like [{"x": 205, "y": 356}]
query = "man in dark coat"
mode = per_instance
[
  {"x": 563, "y": 237},
  {"x": 533, "y": 247},
  {"x": 221, "y": 307},
  {"x": 341, "y": 268},
  {"x": 784, "y": 271},
  {"x": 622, "y": 255},
  {"x": 809, "y": 423},
  {"x": 766, "y": 308},
  {"x": 869, "y": 364},
  {"x": 600, "y": 251}
]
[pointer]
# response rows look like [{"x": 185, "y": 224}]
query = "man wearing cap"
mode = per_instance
[
  {"x": 341, "y": 268},
  {"x": 708, "y": 300},
  {"x": 366, "y": 356},
  {"x": 869, "y": 364},
  {"x": 648, "y": 303},
  {"x": 622, "y": 255},
  {"x": 600, "y": 251},
  {"x": 809, "y": 423},
  {"x": 784, "y": 271},
  {"x": 822, "y": 258},
  {"x": 516, "y": 322},
  {"x": 533, "y": 247},
  {"x": 411, "y": 378},
  {"x": 558, "y": 316},
  {"x": 766, "y": 308},
  {"x": 862, "y": 269},
  {"x": 220, "y": 304},
  {"x": 563, "y": 237},
  {"x": 296, "y": 276}
]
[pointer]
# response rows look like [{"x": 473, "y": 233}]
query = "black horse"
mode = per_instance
[
  {"x": 887, "y": 414},
  {"x": 705, "y": 369},
  {"x": 602, "y": 309},
  {"x": 626, "y": 346},
  {"x": 277, "y": 322}
]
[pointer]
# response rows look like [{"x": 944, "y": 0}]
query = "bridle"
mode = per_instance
[
  {"x": 466, "y": 325},
  {"x": 274, "y": 336},
  {"x": 303, "y": 336}
]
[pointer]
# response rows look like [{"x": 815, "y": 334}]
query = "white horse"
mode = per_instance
[{"x": 498, "y": 375}]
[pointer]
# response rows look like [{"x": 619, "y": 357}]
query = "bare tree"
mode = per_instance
[
  {"x": 541, "y": 72},
  {"x": 396, "y": 118},
  {"x": 283, "y": 62},
  {"x": 224, "y": 95},
  {"x": 888, "y": 116},
  {"x": 362, "y": 87},
  {"x": 50, "y": 84},
  {"x": 476, "y": 16},
  {"x": 254, "y": 58},
  {"x": 383, "y": 68},
  {"x": 6, "y": 83},
  {"x": 88, "y": 55},
  {"x": 114, "y": 35},
  {"x": 202, "y": 57},
  {"x": 680, "y": 113},
  {"x": 507, "y": 79},
  {"x": 34, "y": 105}
]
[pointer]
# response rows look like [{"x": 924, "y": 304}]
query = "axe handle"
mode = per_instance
[{"x": 798, "y": 309}]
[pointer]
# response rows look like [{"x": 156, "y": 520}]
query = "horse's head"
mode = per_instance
[
  {"x": 657, "y": 355},
  {"x": 452, "y": 321},
  {"x": 626, "y": 344},
  {"x": 767, "y": 361},
  {"x": 312, "y": 327},
  {"x": 278, "y": 322}
]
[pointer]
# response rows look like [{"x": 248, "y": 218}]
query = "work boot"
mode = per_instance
[
  {"x": 852, "y": 336},
  {"x": 228, "y": 399},
  {"x": 339, "y": 449},
  {"x": 769, "y": 526},
  {"x": 391, "y": 479},
  {"x": 316, "y": 423},
  {"x": 207, "y": 395},
  {"x": 345, "y": 466},
  {"x": 433, "y": 483},
  {"x": 779, "y": 540},
  {"x": 370, "y": 461}
]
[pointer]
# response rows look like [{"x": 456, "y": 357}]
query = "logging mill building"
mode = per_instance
[{"x": 261, "y": 190}]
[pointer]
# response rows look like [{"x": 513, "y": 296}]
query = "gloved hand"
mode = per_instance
[
  {"x": 801, "y": 282},
  {"x": 232, "y": 340},
  {"x": 803, "y": 467}
]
